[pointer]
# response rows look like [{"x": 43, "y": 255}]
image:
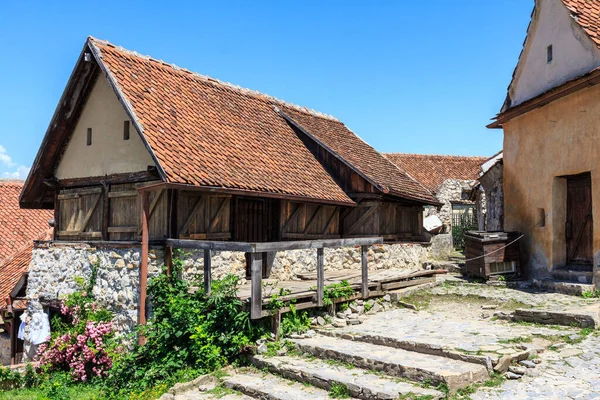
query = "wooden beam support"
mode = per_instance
[
  {"x": 106, "y": 212},
  {"x": 207, "y": 272},
  {"x": 365, "y": 272},
  {"x": 256, "y": 261},
  {"x": 320, "y": 278},
  {"x": 144, "y": 263},
  {"x": 300, "y": 207},
  {"x": 361, "y": 219},
  {"x": 169, "y": 259},
  {"x": 199, "y": 204},
  {"x": 335, "y": 213},
  {"x": 312, "y": 219}
]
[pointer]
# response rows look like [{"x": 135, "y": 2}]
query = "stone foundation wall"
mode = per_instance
[{"x": 55, "y": 269}]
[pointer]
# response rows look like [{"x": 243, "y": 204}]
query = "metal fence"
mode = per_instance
[{"x": 461, "y": 224}]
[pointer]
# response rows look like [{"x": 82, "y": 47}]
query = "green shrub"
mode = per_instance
[
  {"x": 294, "y": 322},
  {"x": 188, "y": 331},
  {"x": 336, "y": 291}
]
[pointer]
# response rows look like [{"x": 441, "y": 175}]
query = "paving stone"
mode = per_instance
[
  {"x": 396, "y": 362},
  {"x": 267, "y": 386},
  {"x": 361, "y": 383}
]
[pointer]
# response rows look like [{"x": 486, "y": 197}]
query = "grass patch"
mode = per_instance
[
  {"x": 518, "y": 339},
  {"x": 339, "y": 391}
]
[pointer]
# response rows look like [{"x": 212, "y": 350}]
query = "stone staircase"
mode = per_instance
[
  {"x": 363, "y": 371},
  {"x": 570, "y": 279}
]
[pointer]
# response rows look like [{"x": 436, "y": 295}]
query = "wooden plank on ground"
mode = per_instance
[{"x": 403, "y": 284}]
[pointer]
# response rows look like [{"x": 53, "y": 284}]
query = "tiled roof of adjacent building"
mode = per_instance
[
  {"x": 18, "y": 227},
  {"x": 205, "y": 132},
  {"x": 12, "y": 270},
  {"x": 587, "y": 14},
  {"x": 433, "y": 170}
]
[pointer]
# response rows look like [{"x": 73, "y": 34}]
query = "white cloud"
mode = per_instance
[
  {"x": 5, "y": 158},
  {"x": 21, "y": 173}
]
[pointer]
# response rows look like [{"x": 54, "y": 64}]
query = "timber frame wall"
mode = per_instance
[{"x": 109, "y": 209}]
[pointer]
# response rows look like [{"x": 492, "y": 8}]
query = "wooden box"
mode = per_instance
[{"x": 491, "y": 253}]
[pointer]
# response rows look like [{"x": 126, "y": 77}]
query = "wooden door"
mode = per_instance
[
  {"x": 251, "y": 222},
  {"x": 579, "y": 219}
]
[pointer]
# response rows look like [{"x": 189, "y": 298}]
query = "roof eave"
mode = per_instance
[{"x": 589, "y": 79}]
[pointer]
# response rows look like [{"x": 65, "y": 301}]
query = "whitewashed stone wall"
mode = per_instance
[{"x": 55, "y": 267}]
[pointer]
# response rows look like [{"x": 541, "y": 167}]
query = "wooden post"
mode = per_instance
[
  {"x": 207, "y": 272},
  {"x": 144, "y": 263},
  {"x": 256, "y": 261},
  {"x": 169, "y": 259},
  {"x": 365, "y": 272},
  {"x": 320, "y": 277},
  {"x": 276, "y": 325}
]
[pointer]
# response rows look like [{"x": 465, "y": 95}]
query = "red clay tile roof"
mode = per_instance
[
  {"x": 12, "y": 270},
  {"x": 18, "y": 227},
  {"x": 433, "y": 170},
  {"x": 587, "y": 14},
  {"x": 208, "y": 133}
]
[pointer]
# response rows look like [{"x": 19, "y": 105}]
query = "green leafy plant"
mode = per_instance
[
  {"x": 188, "y": 331},
  {"x": 276, "y": 302},
  {"x": 294, "y": 322},
  {"x": 337, "y": 291},
  {"x": 590, "y": 294},
  {"x": 339, "y": 391}
]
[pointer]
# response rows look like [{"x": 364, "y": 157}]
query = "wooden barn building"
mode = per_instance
[{"x": 143, "y": 155}]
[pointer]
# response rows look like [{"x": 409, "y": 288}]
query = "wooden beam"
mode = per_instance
[
  {"x": 215, "y": 220},
  {"x": 143, "y": 176},
  {"x": 199, "y": 204},
  {"x": 320, "y": 277},
  {"x": 123, "y": 193},
  {"x": 365, "y": 272},
  {"x": 122, "y": 229},
  {"x": 106, "y": 212},
  {"x": 312, "y": 219},
  {"x": 211, "y": 245},
  {"x": 207, "y": 272},
  {"x": 291, "y": 218},
  {"x": 336, "y": 212},
  {"x": 256, "y": 261},
  {"x": 276, "y": 324},
  {"x": 169, "y": 259},
  {"x": 314, "y": 244},
  {"x": 90, "y": 212},
  {"x": 144, "y": 263},
  {"x": 361, "y": 219},
  {"x": 152, "y": 205}
]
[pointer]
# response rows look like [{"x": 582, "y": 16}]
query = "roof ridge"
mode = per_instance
[
  {"x": 215, "y": 81},
  {"x": 434, "y": 155}
]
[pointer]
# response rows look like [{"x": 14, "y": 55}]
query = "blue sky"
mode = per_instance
[{"x": 419, "y": 77}]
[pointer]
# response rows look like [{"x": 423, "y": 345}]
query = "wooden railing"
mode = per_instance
[{"x": 258, "y": 251}]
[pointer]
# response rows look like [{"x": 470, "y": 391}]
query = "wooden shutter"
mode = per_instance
[{"x": 80, "y": 213}]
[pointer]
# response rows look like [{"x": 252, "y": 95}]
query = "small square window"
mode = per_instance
[
  {"x": 126, "y": 130},
  {"x": 549, "y": 54},
  {"x": 89, "y": 136}
]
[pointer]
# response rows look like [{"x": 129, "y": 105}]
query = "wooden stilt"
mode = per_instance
[
  {"x": 320, "y": 277},
  {"x": 144, "y": 263},
  {"x": 207, "y": 272},
  {"x": 365, "y": 272},
  {"x": 256, "y": 261},
  {"x": 276, "y": 324}
]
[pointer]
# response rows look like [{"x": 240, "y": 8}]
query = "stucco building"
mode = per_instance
[{"x": 550, "y": 120}]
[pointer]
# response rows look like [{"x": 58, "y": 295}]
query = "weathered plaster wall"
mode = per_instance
[
  {"x": 561, "y": 138},
  {"x": 109, "y": 153},
  {"x": 452, "y": 190},
  {"x": 55, "y": 267},
  {"x": 573, "y": 52}
]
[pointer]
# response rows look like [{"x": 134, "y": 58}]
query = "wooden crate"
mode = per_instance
[{"x": 487, "y": 253}]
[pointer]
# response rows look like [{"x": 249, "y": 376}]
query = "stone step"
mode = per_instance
[
  {"x": 564, "y": 287},
  {"x": 361, "y": 383},
  {"x": 266, "y": 386},
  {"x": 396, "y": 362},
  {"x": 572, "y": 275}
]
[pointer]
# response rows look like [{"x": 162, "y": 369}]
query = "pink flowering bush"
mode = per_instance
[{"x": 82, "y": 340}]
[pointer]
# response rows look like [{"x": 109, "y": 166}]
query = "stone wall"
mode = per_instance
[
  {"x": 55, "y": 269},
  {"x": 451, "y": 190}
]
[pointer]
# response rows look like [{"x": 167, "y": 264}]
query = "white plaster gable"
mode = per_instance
[
  {"x": 574, "y": 53},
  {"x": 108, "y": 153}
]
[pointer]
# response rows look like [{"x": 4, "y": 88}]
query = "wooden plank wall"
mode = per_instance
[
  {"x": 309, "y": 221},
  {"x": 392, "y": 221},
  {"x": 81, "y": 213},
  {"x": 203, "y": 216}
]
